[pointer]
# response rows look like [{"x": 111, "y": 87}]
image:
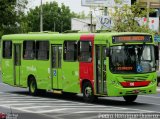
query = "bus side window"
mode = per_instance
[
  {"x": 42, "y": 50},
  {"x": 70, "y": 51},
  {"x": 28, "y": 50},
  {"x": 85, "y": 51},
  {"x": 7, "y": 49}
]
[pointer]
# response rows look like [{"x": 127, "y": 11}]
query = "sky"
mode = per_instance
[{"x": 75, "y": 5}]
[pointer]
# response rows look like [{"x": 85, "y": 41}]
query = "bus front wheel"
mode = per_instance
[
  {"x": 88, "y": 94},
  {"x": 130, "y": 98},
  {"x": 32, "y": 87}
]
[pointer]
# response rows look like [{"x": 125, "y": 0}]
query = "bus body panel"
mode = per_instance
[
  {"x": 42, "y": 75},
  {"x": 7, "y": 74},
  {"x": 27, "y": 69},
  {"x": 70, "y": 70},
  {"x": 70, "y": 77}
]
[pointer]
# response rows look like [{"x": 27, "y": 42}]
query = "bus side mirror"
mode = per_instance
[
  {"x": 156, "y": 52},
  {"x": 107, "y": 52}
]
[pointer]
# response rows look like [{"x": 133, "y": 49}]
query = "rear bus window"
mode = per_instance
[{"x": 7, "y": 49}]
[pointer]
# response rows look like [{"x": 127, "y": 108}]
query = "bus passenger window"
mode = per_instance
[
  {"x": 85, "y": 51},
  {"x": 70, "y": 51},
  {"x": 7, "y": 49},
  {"x": 28, "y": 50},
  {"x": 42, "y": 50}
]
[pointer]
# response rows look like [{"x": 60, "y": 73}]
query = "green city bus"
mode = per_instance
[{"x": 94, "y": 64}]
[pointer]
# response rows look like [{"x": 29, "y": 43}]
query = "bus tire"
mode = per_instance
[
  {"x": 88, "y": 94},
  {"x": 41, "y": 91},
  {"x": 33, "y": 87},
  {"x": 130, "y": 98},
  {"x": 69, "y": 94}
]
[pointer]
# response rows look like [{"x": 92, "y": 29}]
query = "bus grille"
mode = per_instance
[
  {"x": 131, "y": 92},
  {"x": 135, "y": 78}
]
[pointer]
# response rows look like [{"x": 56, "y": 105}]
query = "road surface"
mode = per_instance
[{"x": 18, "y": 102}]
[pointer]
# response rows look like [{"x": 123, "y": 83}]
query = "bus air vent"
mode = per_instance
[{"x": 135, "y": 78}]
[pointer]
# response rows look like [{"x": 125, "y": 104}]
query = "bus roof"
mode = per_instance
[{"x": 64, "y": 36}]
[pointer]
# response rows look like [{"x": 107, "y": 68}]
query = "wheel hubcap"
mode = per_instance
[
  {"x": 32, "y": 87},
  {"x": 88, "y": 91}
]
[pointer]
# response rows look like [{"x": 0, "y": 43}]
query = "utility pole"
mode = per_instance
[
  {"x": 91, "y": 21},
  {"x": 41, "y": 18}
]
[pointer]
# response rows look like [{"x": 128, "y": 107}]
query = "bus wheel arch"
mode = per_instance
[
  {"x": 32, "y": 84},
  {"x": 87, "y": 90}
]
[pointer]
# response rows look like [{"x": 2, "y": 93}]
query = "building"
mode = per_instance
[
  {"x": 83, "y": 24},
  {"x": 150, "y": 3}
]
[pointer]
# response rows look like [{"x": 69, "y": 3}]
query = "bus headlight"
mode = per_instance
[{"x": 153, "y": 81}]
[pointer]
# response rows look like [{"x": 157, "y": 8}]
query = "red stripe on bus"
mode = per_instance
[{"x": 86, "y": 68}]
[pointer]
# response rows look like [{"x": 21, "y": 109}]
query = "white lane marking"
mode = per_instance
[
  {"x": 9, "y": 107},
  {"x": 152, "y": 104},
  {"x": 17, "y": 104},
  {"x": 148, "y": 96},
  {"x": 111, "y": 111},
  {"x": 82, "y": 106},
  {"x": 53, "y": 110},
  {"x": 27, "y": 99},
  {"x": 80, "y": 103},
  {"x": 31, "y": 107},
  {"x": 46, "y": 111},
  {"x": 24, "y": 97}
]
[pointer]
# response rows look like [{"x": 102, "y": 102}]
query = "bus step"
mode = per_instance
[{"x": 57, "y": 91}]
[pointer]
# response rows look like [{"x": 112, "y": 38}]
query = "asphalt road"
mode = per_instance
[{"x": 20, "y": 104}]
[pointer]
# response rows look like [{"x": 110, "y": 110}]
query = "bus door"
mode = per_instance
[
  {"x": 17, "y": 63},
  {"x": 101, "y": 69},
  {"x": 56, "y": 66}
]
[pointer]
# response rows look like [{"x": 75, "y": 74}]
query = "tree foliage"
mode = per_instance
[
  {"x": 125, "y": 19},
  {"x": 55, "y": 18},
  {"x": 10, "y": 15}
]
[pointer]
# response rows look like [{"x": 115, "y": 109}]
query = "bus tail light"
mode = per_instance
[{"x": 135, "y": 84}]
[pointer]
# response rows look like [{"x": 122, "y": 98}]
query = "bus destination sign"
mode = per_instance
[{"x": 132, "y": 39}]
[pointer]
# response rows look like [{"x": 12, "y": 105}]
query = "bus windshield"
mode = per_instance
[{"x": 132, "y": 59}]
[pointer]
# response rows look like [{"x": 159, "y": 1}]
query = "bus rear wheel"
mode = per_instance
[
  {"x": 88, "y": 95},
  {"x": 130, "y": 98},
  {"x": 33, "y": 87}
]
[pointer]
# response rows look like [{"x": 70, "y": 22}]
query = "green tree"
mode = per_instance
[
  {"x": 82, "y": 15},
  {"x": 7, "y": 15},
  {"x": 125, "y": 19},
  {"x": 21, "y": 16},
  {"x": 55, "y": 18},
  {"x": 10, "y": 12}
]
